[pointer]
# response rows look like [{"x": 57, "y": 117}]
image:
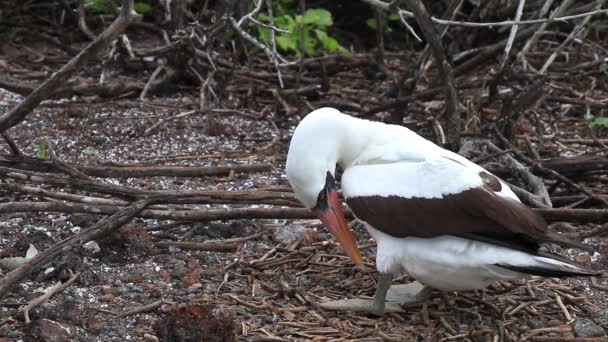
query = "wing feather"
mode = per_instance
[{"x": 441, "y": 197}]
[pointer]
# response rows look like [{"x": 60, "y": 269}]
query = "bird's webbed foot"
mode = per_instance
[{"x": 386, "y": 299}]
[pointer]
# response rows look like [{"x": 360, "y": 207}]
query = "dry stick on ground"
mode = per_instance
[
  {"x": 55, "y": 289},
  {"x": 453, "y": 109},
  {"x": 213, "y": 246},
  {"x": 143, "y": 308},
  {"x": 46, "y": 89},
  {"x": 551, "y": 215},
  {"x": 273, "y": 196},
  {"x": 11, "y": 144},
  {"x": 580, "y": 27},
  {"x": 226, "y": 245},
  {"x": 179, "y": 196},
  {"x": 33, "y": 164},
  {"x": 599, "y": 231},
  {"x": 562, "y": 7},
  {"x": 163, "y": 120},
  {"x": 536, "y": 166},
  {"x": 182, "y": 214},
  {"x": 102, "y": 228},
  {"x": 540, "y": 197}
]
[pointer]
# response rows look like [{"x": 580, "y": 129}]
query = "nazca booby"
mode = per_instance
[{"x": 441, "y": 218}]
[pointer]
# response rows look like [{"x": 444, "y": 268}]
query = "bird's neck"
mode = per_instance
[{"x": 354, "y": 138}]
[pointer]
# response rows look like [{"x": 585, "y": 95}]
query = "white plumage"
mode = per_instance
[{"x": 388, "y": 161}]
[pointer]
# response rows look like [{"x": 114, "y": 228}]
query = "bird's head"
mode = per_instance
[{"x": 311, "y": 163}]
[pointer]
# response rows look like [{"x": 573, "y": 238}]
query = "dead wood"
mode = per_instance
[
  {"x": 143, "y": 308},
  {"x": 537, "y": 167},
  {"x": 573, "y": 165},
  {"x": 168, "y": 214},
  {"x": 539, "y": 196},
  {"x": 11, "y": 144},
  {"x": 53, "y": 290},
  {"x": 33, "y": 164},
  {"x": 453, "y": 108},
  {"x": 574, "y": 215},
  {"x": 566, "y": 200},
  {"x": 104, "y": 227},
  {"x": 551, "y": 215},
  {"x": 42, "y": 92},
  {"x": 215, "y": 246},
  {"x": 77, "y": 86}
]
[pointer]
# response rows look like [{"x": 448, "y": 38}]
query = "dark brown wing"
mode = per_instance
[{"x": 476, "y": 214}]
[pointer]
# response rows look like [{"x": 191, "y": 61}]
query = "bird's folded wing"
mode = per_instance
[{"x": 441, "y": 197}]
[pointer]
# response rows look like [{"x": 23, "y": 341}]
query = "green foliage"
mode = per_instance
[
  {"x": 101, "y": 6},
  {"x": 317, "y": 41},
  {"x": 41, "y": 151},
  {"x": 142, "y": 8},
  {"x": 371, "y": 23},
  {"x": 107, "y": 7},
  {"x": 601, "y": 122},
  {"x": 90, "y": 151}
]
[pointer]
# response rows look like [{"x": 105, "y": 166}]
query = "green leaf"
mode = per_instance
[
  {"x": 42, "y": 151},
  {"x": 371, "y": 23},
  {"x": 394, "y": 17},
  {"x": 142, "y": 8},
  {"x": 601, "y": 122},
  {"x": 102, "y": 6},
  {"x": 286, "y": 42},
  {"x": 318, "y": 16},
  {"x": 329, "y": 44},
  {"x": 332, "y": 45},
  {"x": 310, "y": 44},
  {"x": 321, "y": 35},
  {"x": 90, "y": 151},
  {"x": 264, "y": 34}
]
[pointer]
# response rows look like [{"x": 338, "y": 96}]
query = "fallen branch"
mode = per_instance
[
  {"x": 387, "y": 7},
  {"x": 270, "y": 196},
  {"x": 574, "y": 215},
  {"x": 535, "y": 166},
  {"x": 539, "y": 197},
  {"x": 143, "y": 308},
  {"x": 225, "y": 245},
  {"x": 47, "y": 88},
  {"x": 168, "y": 214},
  {"x": 33, "y": 164},
  {"x": 212, "y": 246},
  {"x": 278, "y": 198},
  {"x": 551, "y": 215},
  {"x": 104, "y": 227},
  {"x": 51, "y": 291}
]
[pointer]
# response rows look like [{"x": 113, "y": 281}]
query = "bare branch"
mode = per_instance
[
  {"x": 520, "y": 8},
  {"x": 386, "y": 6},
  {"x": 46, "y": 89}
]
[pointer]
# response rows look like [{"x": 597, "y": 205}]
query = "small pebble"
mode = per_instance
[
  {"x": 151, "y": 338},
  {"x": 587, "y": 328}
]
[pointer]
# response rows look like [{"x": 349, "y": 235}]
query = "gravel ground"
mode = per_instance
[{"x": 269, "y": 289}]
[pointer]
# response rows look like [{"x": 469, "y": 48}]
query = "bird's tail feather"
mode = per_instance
[{"x": 549, "y": 267}]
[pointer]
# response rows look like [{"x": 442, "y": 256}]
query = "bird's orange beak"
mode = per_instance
[{"x": 333, "y": 218}]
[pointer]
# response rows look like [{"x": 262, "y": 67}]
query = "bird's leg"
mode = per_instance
[
  {"x": 386, "y": 299},
  {"x": 384, "y": 283}
]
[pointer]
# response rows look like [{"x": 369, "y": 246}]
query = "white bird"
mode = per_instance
[{"x": 439, "y": 217}]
